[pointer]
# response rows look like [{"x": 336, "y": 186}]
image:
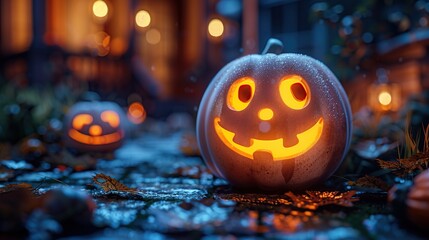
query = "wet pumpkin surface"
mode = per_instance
[{"x": 159, "y": 192}]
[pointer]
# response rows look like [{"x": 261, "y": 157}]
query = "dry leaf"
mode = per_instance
[
  {"x": 414, "y": 160},
  {"x": 315, "y": 199},
  {"x": 391, "y": 165},
  {"x": 253, "y": 198},
  {"x": 370, "y": 182},
  {"x": 407, "y": 166},
  {"x": 108, "y": 183}
]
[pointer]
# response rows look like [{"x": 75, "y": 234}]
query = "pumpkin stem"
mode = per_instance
[{"x": 273, "y": 46}]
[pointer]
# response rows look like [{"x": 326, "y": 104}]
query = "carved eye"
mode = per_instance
[
  {"x": 80, "y": 120},
  {"x": 240, "y": 94},
  {"x": 295, "y": 92},
  {"x": 110, "y": 117}
]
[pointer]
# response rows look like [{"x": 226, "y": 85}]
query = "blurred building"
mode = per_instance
[
  {"x": 161, "y": 47},
  {"x": 169, "y": 50}
]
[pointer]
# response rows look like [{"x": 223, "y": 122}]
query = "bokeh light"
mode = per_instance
[
  {"x": 102, "y": 43},
  {"x": 384, "y": 98},
  {"x": 143, "y": 18},
  {"x": 215, "y": 27},
  {"x": 100, "y": 9},
  {"x": 136, "y": 113},
  {"x": 153, "y": 36}
]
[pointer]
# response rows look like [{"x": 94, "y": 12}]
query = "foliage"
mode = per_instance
[
  {"x": 414, "y": 160},
  {"x": 370, "y": 182},
  {"x": 24, "y": 109},
  {"x": 108, "y": 183},
  {"x": 315, "y": 199}
]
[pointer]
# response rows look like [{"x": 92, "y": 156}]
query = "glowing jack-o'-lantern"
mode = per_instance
[
  {"x": 274, "y": 121},
  {"x": 94, "y": 126}
]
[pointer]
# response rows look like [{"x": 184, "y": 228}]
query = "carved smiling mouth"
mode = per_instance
[
  {"x": 95, "y": 140},
  {"x": 306, "y": 140}
]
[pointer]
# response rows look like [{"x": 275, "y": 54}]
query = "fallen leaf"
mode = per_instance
[
  {"x": 253, "y": 198},
  {"x": 108, "y": 184},
  {"x": 410, "y": 166},
  {"x": 370, "y": 182},
  {"x": 315, "y": 199}
]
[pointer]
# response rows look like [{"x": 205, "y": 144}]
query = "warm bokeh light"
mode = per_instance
[
  {"x": 102, "y": 43},
  {"x": 384, "y": 98},
  {"x": 143, "y": 18},
  {"x": 100, "y": 9},
  {"x": 136, "y": 113},
  {"x": 118, "y": 46},
  {"x": 153, "y": 36},
  {"x": 216, "y": 27}
]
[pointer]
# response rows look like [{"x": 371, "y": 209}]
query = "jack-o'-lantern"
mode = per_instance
[
  {"x": 94, "y": 126},
  {"x": 274, "y": 121}
]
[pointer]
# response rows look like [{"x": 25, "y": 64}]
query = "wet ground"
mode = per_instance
[{"x": 171, "y": 195}]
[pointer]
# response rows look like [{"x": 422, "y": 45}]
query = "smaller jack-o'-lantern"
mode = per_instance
[
  {"x": 94, "y": 126},
  {"x": 274, "y": 121}
]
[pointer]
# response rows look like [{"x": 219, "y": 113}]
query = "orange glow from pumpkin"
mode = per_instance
[
  {"x": 295, "y": 92},
  {"x": 136, "y": 113},
  {"x": 306, "y": 140},
  {"x": 240, "y": 94},
  {"x": 265, "y": 114},
  {"x": 95, "y": 130},
  {"x": 80, "y": 120},
  {"x": 110, "y": 117},
  {"x": 95, "y": 136},
  {"x": 95, "y": 140}
]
